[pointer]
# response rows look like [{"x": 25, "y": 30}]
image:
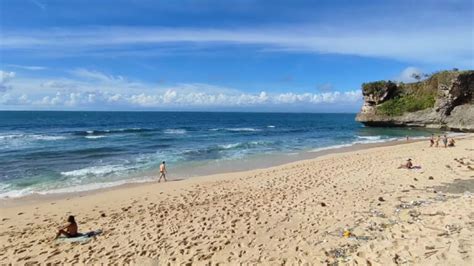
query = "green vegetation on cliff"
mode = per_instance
[
  {"x": 407, "y": 103},
  {"x": 395, "y": 99}
]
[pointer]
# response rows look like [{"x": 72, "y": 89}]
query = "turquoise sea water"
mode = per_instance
[{"x": 44, "y": 152}]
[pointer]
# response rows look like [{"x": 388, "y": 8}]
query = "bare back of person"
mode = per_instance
[{"x": 163, "y": 171}]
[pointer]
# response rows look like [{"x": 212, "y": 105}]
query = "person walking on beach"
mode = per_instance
[
  {"x": 162, "y": 172},
  {"x": 445, "y": 141},
  {"x": 432, "y": 140},
  {"x": 437, "y": 141}
]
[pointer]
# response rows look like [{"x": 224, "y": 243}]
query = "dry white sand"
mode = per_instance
[{"x": 294, "y": 213}]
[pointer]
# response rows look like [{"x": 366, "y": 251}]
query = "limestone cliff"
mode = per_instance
[{"x": 444, "y": 100}]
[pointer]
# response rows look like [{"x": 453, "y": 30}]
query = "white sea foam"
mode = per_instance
[
  {"x": 96, "y": 170},
  {"x": 243, "y": 129},
  {"x": 95, "y": 137},
  {"x": 374, "y": 139},
  {"x": 43, "y": 137},
  {"x": 16, "y": 193},
  {"x": 30, "y": 137},
  {"x": 90, "y": 131},
  {"x": 369, "y": 137},
  {"x": 259, "y": 142},
  {"x": 229, "y": 146},
  {"x": 72, "y": 189},
  {"x": 332, "y": 147},
  {"x": 175, "y": 131},
  {"x": 271, "y": 126}
]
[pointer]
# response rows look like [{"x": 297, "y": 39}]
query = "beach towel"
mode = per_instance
[{"x": 81, "y": 238}]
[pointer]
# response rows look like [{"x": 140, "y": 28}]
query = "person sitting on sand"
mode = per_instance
[
  {"x": 70, "y": 230},
  {"x": 445, "y": 141},
  {"x": 163, "y": 172},
  {"x": 451, "y": 143},
  {"x": 407, "y": 165}
]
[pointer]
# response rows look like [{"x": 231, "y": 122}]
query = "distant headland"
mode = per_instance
[{"x": 443, "y": 100}]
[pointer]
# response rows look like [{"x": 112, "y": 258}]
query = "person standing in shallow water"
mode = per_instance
[{"x": 162, "y": 172}]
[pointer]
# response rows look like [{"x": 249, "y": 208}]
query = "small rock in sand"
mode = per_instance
[
  {"x": 323, "y": 204},
  {"x": 381, "y": 199},
  {"x": 430, "y": 178}
]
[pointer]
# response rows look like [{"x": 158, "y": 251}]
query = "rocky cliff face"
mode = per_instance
[{"x": 445, "y": 100}]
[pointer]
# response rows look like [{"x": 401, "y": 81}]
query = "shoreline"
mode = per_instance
[
  {"x": 256, "y": 162},
  {"x": 352, "y": 207}
]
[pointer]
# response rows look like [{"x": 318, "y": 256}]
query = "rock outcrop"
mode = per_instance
[{"x": 445, "y": 100}]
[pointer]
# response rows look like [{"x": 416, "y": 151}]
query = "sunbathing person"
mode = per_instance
[
  {"x": 409, "y": 165},
  {"x": 70, "y": 230}
]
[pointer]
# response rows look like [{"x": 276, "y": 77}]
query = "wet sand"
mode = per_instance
[{"x": 350, "y": 207}]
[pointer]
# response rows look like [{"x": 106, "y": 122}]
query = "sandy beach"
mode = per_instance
[{"x": 353, "y": 207}]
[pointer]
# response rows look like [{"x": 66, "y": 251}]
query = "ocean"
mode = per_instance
[{"x": 54, "y": 152}]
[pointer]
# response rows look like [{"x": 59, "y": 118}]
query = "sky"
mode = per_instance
[{"x": 211, "y": 55}]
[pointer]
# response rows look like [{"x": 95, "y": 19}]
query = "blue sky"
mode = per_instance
[{"x": 221, "y": 55}]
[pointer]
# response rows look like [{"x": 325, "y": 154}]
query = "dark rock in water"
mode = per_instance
[{"x": 444, "y": 100}]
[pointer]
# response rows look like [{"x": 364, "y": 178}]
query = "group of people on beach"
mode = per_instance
[
  {"x": 447, "y": 143},
  {"x": 434, "y": 142},
  {"x": 70, "y": 230}
]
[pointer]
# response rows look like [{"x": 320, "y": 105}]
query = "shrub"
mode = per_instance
[{"x": 406, "y": 103}]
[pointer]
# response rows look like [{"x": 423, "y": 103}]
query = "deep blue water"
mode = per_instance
[{"x": 62, "y": 151}]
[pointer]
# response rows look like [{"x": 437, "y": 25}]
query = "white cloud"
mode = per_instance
[
  {"x": 96, "y": 75},
  {"x": 93, "y": 89},
  {"x": 446, "y": 44},
  {"x": 38, "y": 4},
  {"x": 31, "y": 68},
  {"x": 173, "y": 98},
  {"x": 5, "y": 77},
  {"x": 408, "y": 74}
]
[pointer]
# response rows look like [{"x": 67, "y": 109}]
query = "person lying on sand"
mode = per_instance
[
  {"x": 70, "y": 230},
  {"x": 407, "y": 165}
]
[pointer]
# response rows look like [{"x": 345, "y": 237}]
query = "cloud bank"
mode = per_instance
[{"x": 88, "y": 89}]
